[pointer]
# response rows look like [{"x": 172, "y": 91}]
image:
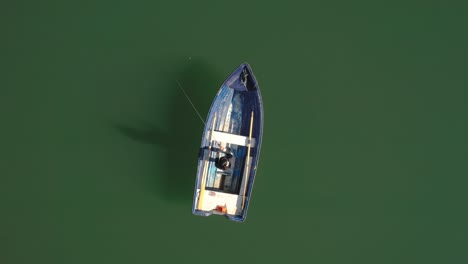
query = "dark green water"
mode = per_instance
[{"x": 364, "y": 156}]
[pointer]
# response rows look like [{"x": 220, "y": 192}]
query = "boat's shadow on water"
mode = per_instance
[{"x": 182, "y": 137}]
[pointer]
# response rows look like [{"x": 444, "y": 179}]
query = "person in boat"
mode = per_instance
[{"x": 223, "y": 162}]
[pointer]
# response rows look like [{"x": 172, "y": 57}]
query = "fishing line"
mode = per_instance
[{"x": 190, "y": 101}]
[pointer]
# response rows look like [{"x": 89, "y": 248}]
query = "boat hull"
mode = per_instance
[{"x": 233, "y": 135}]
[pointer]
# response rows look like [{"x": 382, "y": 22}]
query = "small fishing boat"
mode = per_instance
[{"x": 230, "y": 148}]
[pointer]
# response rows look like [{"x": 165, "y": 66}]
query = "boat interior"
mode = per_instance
[{"x": 225, "y": 181}]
